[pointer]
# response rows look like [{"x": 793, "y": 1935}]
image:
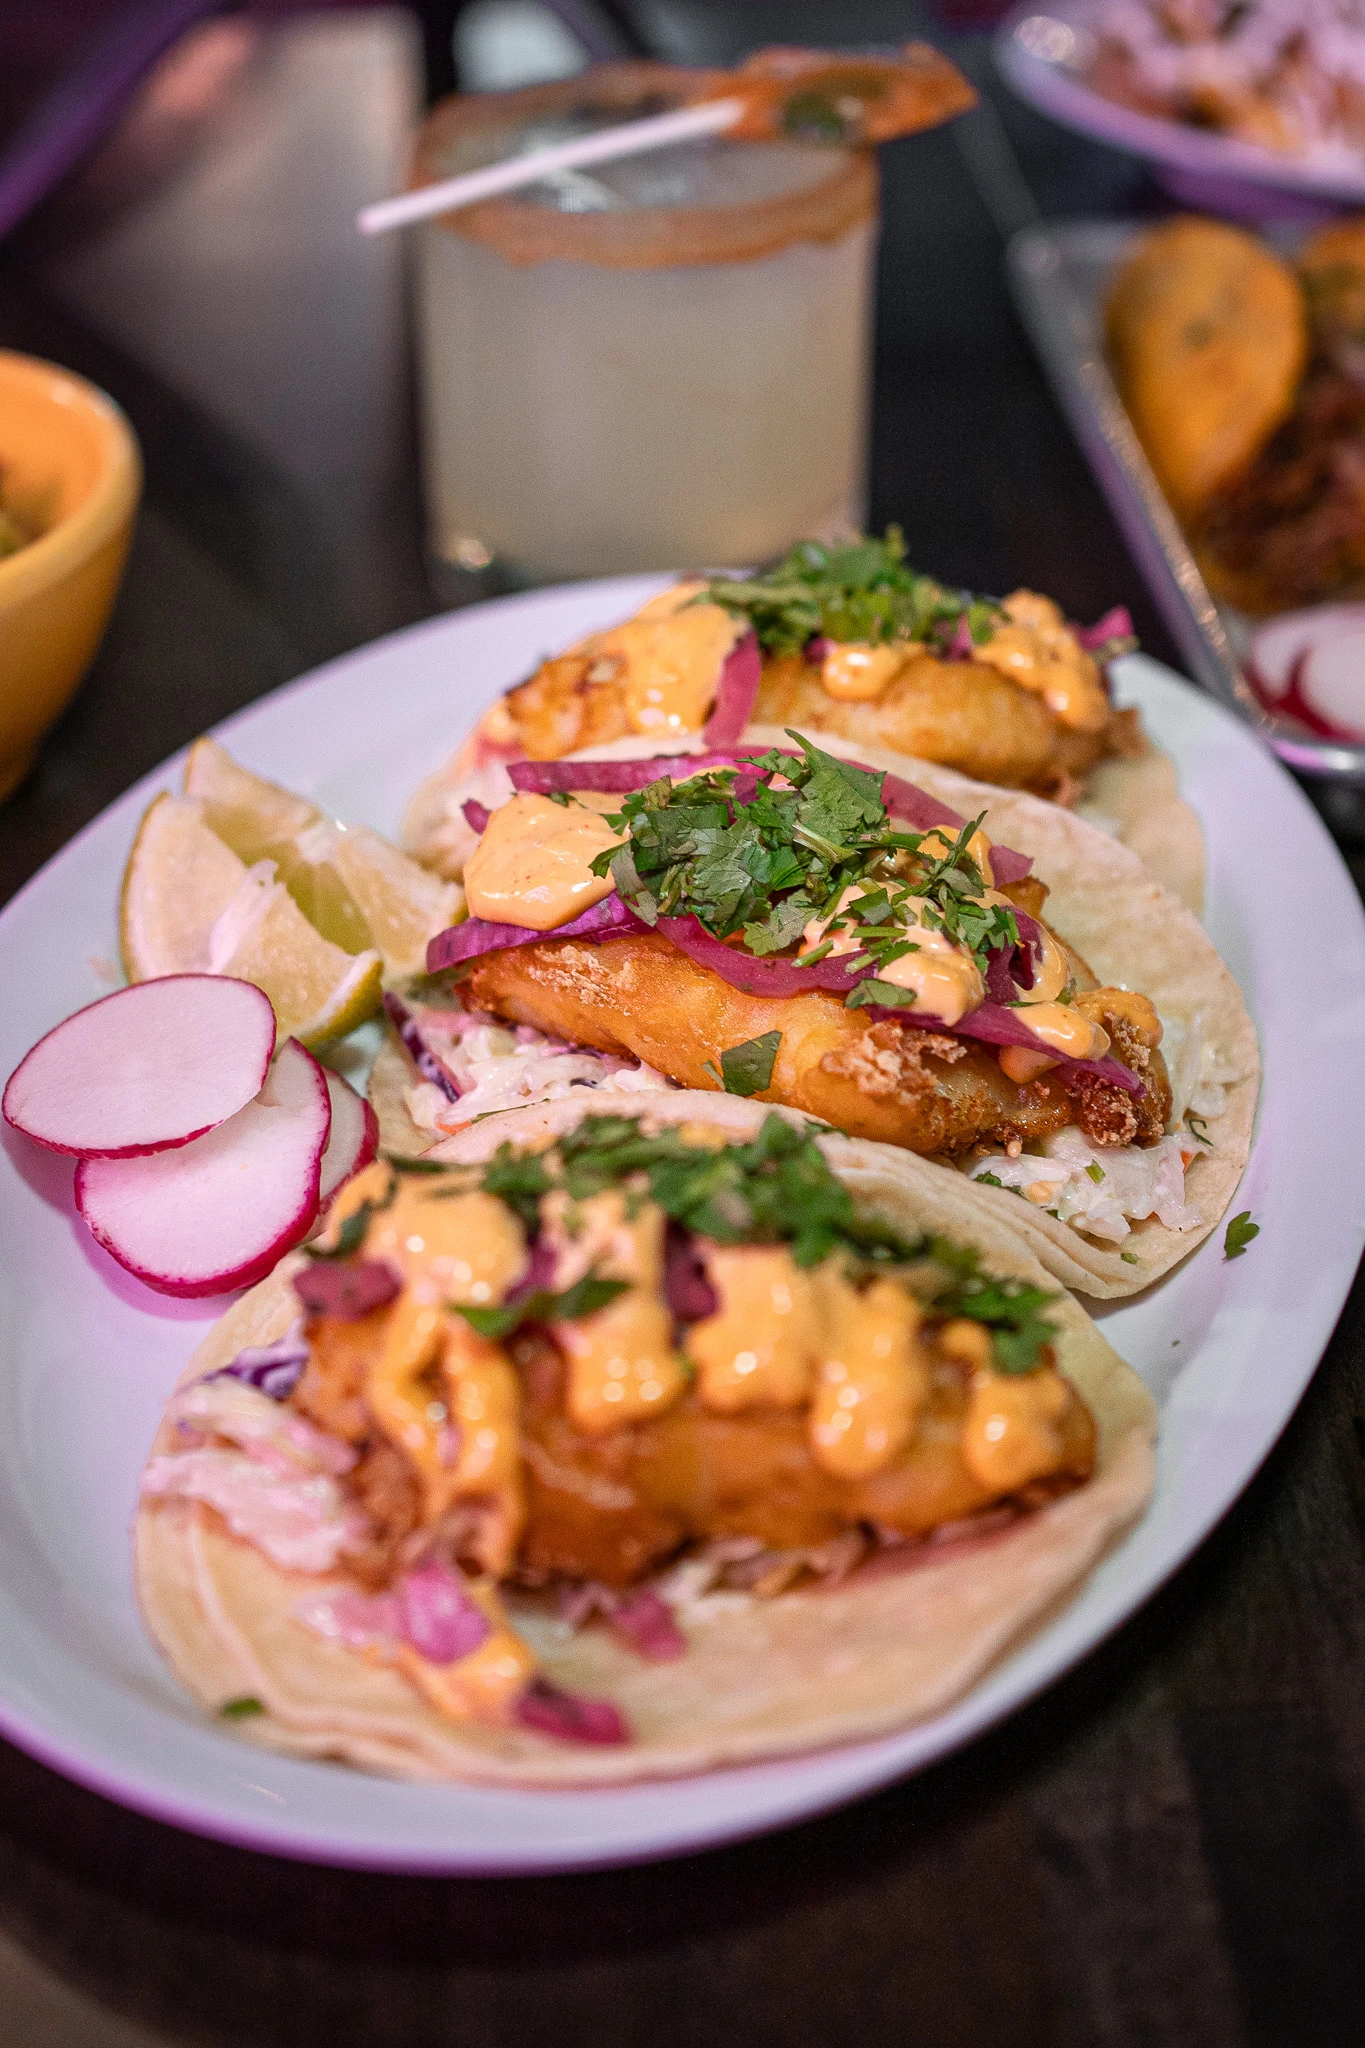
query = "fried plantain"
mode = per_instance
[{"x": 1208, "y": 337}]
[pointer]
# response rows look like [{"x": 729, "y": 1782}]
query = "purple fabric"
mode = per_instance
[
  {"x": 552, "y": 1711},
  {"x": 428, "y": 1064},
  {"x": 347, "y": 1291},
  {"x": 439, "y": 1617},
  {"x": 736, "y": 693}
]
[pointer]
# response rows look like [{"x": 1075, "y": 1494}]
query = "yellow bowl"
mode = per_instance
[{"x": 68, "y": 455}]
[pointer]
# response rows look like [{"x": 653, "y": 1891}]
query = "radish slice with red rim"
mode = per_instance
[
  {"x": 1292, "y": 671},
  {"x": 1331, "y": 680},
  {"x": 219, "y": 1212},
  {"x": 147, "y": 1068},
  {"x": 353, "y": 1140}
]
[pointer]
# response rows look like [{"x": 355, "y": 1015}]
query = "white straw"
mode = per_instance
[{"x": 631, "y": 138}]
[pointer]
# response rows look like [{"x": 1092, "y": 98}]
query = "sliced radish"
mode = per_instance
[
  {"x": 1331, "y": 679},
  {"x": 149, "y": 1067},
  {"x": 354, "y": 1139},
  {"x": 219, "y": 1212},
  {"x": 1278, "y": 663}
]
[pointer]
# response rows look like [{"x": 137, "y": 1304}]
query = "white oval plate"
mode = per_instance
[
  {"x": 1034, "y": 48},
  {"x": 87, "y": 1356}
]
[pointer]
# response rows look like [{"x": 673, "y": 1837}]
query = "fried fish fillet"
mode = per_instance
[
  {"x": 925, "y": 1090},
  {"x": 963, "y": 714},
  {"x": 612, "y": 1507}
]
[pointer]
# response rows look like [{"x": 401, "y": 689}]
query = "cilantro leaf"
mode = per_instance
[
  {"x": 1012, "y": 1310},
  {"x": 1239, "y": 1234},
  {"x": 541, "y": 1306},
  {"x": 240, "y": 1709},
  {"x": 852, "y": 590},
  {"x": 889, "y": 994},
  {"x": 748, "y": 1069}
]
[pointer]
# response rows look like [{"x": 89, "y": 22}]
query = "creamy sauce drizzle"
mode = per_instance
[
  {"x": 761, "y": 1347},
  {"x": 873, "y": 1380},
  {"x": 622, "y": 1364},
  {"x": 671, "y": 655},
  {"x": 856, "y": 672},
  {"x": 1037, "y": 650},
  {"x": 533, "y": 864}
]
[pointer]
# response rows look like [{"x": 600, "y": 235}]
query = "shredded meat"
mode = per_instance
[{"x": 1291, "y": 532}]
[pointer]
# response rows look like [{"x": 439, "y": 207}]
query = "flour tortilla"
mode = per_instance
[{"x": 761, "y": 1679}]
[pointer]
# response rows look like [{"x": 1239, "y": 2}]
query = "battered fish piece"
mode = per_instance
[
  {"x": 610, "y": 1502},
  {"x": 925, "y": 1090},
  {"x": 1208, "y": 336},
  {"x": 963, "y": 714},
  {"x": 611, "y": 1509}
]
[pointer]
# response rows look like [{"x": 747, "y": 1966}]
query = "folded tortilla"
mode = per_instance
[
  {"x": 898, "y": 1641},
  {"x": 1133, "y": 933}
]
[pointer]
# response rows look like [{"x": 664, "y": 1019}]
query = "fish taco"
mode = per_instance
[
  {"x": 630, "y": 1438},
  {"x": 846, "y": 639},
  {"x": 973, "y": 974}
]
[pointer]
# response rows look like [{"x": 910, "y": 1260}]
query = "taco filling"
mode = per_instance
[
  {"x": 843, "y": 639},
  {"x": 637, "y": 1362},
  {"x": 791, "y": 926}
]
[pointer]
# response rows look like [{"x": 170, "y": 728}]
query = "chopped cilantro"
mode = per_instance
[
  {"x": 1239, "y": 1234},
  {"x": 541, "y": 1306},
  {"x": 748, "y": 1069},
  {"x": 1199, "y": 1130},
  {"x": 240, "y": 1709},
  {"x": 776, "y": 1188},
  {"x": 1129, "y": 1258},
  {"x": 988, "y": 1180},
  {"x": 1095, "y": 1171},
  {"x": 752, "y": 860},
  {"x": 856, "y": 590},
  {"x": 1012, "y": 1310}
]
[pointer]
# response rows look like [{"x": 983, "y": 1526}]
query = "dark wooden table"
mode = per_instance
[{"x": 1167, "y": 1848}]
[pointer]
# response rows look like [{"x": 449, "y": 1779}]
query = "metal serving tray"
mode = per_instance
[{"x": 1059, "y": 272}]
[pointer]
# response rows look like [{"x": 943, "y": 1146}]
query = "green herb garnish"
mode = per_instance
[
  {"x": 1095, "y": 1171},
  {"x": 540, "y": 1306},
  {"x": 1012, "y": 1310},
  {"x": 748, "y": 1069},
  {"x": 1239, "y": 1234},
  {"x": 240, "y": 1709},
  {"x": 857, "y": 590},
  {"x": 761, "y": 863},
  {"x": 1199, "y": 1130}
]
